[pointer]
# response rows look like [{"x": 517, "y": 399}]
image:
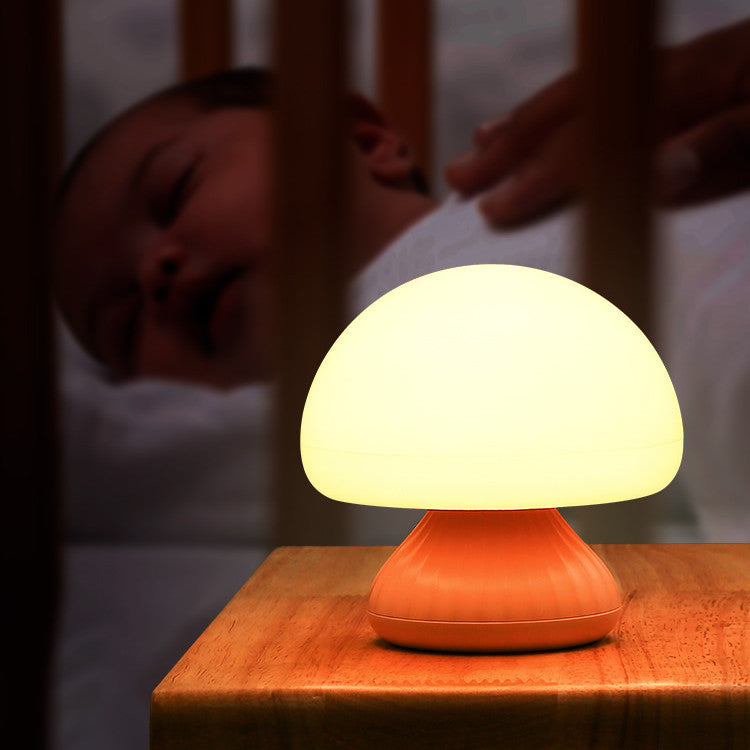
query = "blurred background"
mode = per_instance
[{"x": 488, "y": 54}]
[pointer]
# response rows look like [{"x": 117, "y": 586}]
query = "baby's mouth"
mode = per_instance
[{"x": 203, "y": 310}]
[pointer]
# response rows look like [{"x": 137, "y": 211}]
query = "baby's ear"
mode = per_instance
[{"x": 386, "y": 152}]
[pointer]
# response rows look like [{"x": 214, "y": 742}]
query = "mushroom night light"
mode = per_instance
[{"x": 491, "y": 395}]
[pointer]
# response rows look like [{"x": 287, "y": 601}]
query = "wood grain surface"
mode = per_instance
[{"x": 292, "y": 662}]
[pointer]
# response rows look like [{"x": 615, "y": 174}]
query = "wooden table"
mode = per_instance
[{"x": 291, "y": 662}]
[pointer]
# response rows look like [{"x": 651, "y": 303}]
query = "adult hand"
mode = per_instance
[{"x": 527, "y": 162}]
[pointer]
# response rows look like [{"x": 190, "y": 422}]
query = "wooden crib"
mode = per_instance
[{"x": 615, "y": 41}]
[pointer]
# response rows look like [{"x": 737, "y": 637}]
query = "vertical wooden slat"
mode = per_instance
[
  {"x": 31, "y": 138},
  {"x": 616, "y": 54},
  {"x": 205, "y": 37},
  {"x": 404, "y": 72},
  {"x": 310, "y": 54},
  {"x": 616, "y": 50}
]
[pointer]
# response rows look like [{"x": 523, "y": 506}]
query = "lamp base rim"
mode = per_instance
[{"x": 498, "y": 636}]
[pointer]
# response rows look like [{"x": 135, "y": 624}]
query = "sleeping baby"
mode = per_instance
[{"x": 163, "y": 243}]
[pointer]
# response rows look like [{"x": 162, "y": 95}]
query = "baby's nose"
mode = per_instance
[
  {"x": 158, "y": 273},
  {"x": 167, "y": 270}
]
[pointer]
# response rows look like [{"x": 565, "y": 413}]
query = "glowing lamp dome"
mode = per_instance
[{"x": 488, "y": 387}]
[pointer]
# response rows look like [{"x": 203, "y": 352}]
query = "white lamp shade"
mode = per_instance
[{"x": 488, "y": 387}]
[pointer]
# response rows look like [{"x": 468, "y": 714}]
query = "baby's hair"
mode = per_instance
[{"x": 235, "y": 87}]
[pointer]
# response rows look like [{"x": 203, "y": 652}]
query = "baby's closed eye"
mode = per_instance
[{"x": 175, "y": 192}]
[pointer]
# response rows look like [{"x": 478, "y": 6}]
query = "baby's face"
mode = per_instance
[{"x": 163, "y": 246}]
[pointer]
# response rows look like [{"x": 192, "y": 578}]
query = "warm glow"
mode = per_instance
[{"x": 491, "y": 386}]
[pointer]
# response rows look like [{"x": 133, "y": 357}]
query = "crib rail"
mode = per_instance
[
  {"x": 205, "y": 34},
  {"x": 404, "y": 72},
  {"x": 310, "y": 226},
  {"x": 616, "y": 47},
  {"x": 31, "y": 142}
]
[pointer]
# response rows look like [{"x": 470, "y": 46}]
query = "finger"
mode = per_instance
[
  {"x": 540, "y": 186},
  {"x": 479, "y": 169},
  {"x": 703, "y": 77},
  {"x": 549, "y": 108},
  {"x": 486, "y": 131},
  {"x": 709, "y": 161},
  {"x": 501, "y": 145},
  {"x": 526, "y": 196}
]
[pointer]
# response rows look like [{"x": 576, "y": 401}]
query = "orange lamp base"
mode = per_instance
[{"x": 498, "y": 580}]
